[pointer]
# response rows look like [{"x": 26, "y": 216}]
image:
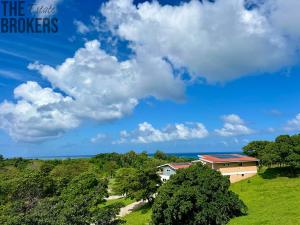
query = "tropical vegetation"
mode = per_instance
[
  {"x": 73, "y": 191},
  {"x": 284, "y": 151},
  {"x": 196, "y": 195}
]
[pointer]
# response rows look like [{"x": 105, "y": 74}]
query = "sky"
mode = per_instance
[{"x": 179, "y": 76}]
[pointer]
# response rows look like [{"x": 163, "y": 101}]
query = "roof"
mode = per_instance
[
  {"x": 177, "y": 166},
  {"x": 225, "y": 158}
]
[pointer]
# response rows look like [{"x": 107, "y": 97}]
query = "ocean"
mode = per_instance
[{"x": 192, "y": 155}]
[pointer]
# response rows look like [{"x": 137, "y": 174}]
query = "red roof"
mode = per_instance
[
  {"x": 177, "y": 166},
  {"x": 223, "y": 158}
]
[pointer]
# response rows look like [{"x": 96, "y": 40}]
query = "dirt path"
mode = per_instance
[
  {"x": 112, "y": 197},
  {"x": 131, "y": 207}
]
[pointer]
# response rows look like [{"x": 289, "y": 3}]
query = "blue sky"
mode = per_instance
[{"x": 169, "y": 75}]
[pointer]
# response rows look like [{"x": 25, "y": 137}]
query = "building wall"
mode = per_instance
[
  {"x": 168, "y": 171},
  {"x": 236, "y": 167},
  {"x": 237, "y": 171},
  {"x": 239, "y": 177}
]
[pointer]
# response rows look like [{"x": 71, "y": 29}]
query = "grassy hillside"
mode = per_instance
[{"x": 272, "y": 198}]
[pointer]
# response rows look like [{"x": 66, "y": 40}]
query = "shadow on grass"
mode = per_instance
[
  {"x": 145, "y": 208},
  {"x": 272, "y": 173}
]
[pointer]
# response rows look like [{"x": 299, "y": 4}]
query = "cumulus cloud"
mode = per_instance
[
  {"x": 293, "y": 124},
  {"x": 217, "y": 41},
  {"x": 105, "y": 88},
  {"x": 233, "y": 126},
  {"x": 146, "y": 133},
  {"x": 39, "y": 114},
  {"x": 284, "y": 16},
  {"x": 97, "y": 86}
]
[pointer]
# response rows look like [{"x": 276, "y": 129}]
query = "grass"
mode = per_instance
[
  {"x": 273, "y": 198},
  {"x": 125, "y": 201},
  {"x": 141, "y": 216}
]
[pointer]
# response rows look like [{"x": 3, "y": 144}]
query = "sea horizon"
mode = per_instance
[{"x": 178, "y": 154}]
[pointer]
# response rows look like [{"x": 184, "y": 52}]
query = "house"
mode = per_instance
[
  {"x": 166, "y": 170},
  {"x": 236, "y": 166}
]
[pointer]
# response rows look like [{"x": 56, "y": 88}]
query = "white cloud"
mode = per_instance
[
  {"x": 232, "y": 118},
  {"x": 81, "y": 27},
  {"x": 293, "y": 124},
  {"x": 146, "y": 133},
  {"x": 219, "y": 42},
  {"x": 104, "y": 88},
  {"x": 98, "y": 138},
  {"x": 284, "y": 16},
  {"x": 97, "y": 87},
  {"x": 39, "y": 114},
  {"x": 233, "y": 126}
]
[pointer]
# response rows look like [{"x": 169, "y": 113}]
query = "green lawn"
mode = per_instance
[
  {"x": 125, "y": 201},
  {"x": 272, "y": 200},
  {"x": 140, "y": 216}
]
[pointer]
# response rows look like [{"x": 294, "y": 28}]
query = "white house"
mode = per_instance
[{"x": 169, "y": 169}]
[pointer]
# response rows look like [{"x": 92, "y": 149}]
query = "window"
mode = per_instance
[
  {"x": 243, "y": 175},
  {"x": 226, "y": 164},
  {"x": 168, "y": 170},
  {"x": 241, "y": 164}
]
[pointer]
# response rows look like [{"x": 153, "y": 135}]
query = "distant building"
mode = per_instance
[
  {"x": 237, "y": 167},
  {"x": 169, "y": 169}
]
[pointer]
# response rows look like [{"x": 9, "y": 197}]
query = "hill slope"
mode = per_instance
[{"x": 272, "y": 199}]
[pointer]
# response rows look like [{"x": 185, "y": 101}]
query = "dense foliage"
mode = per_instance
[
  {"x": 109, "y": 163},
  {"x": 36, "y": 193},
  {"x": 196, "y": 195},
  {"x": 284, "y": 151},
  {"x": 72, "y": 191},
  {"x": 138, "y": 184}
]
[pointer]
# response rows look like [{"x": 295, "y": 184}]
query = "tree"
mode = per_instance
[
  {"x": 146, "y": 184},
  {"x": 296, "y": 139},
  {"x": 81, "y": 199},
  {"x": 294, "y": 161},
  {"x": 77, "y": 204},
  {"x": 1, "y": 158},
  {"x": 160, "y": 155},
  {"x": 137, "y": 184},
  {"x": 270, "y": 154},
  {"x": 124, "y": 179},
  {"x": 196, "y": 195},
  {"x": 254, "y": 148},
  {"x": 284, "y": 139}
]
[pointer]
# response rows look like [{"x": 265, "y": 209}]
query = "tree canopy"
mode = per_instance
[
  {"x": 284, "y": 151},
  {"x": 72, "y": 191},
  {"x": 196, "y": 195},
  {"x": 138, "y": 184}
]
